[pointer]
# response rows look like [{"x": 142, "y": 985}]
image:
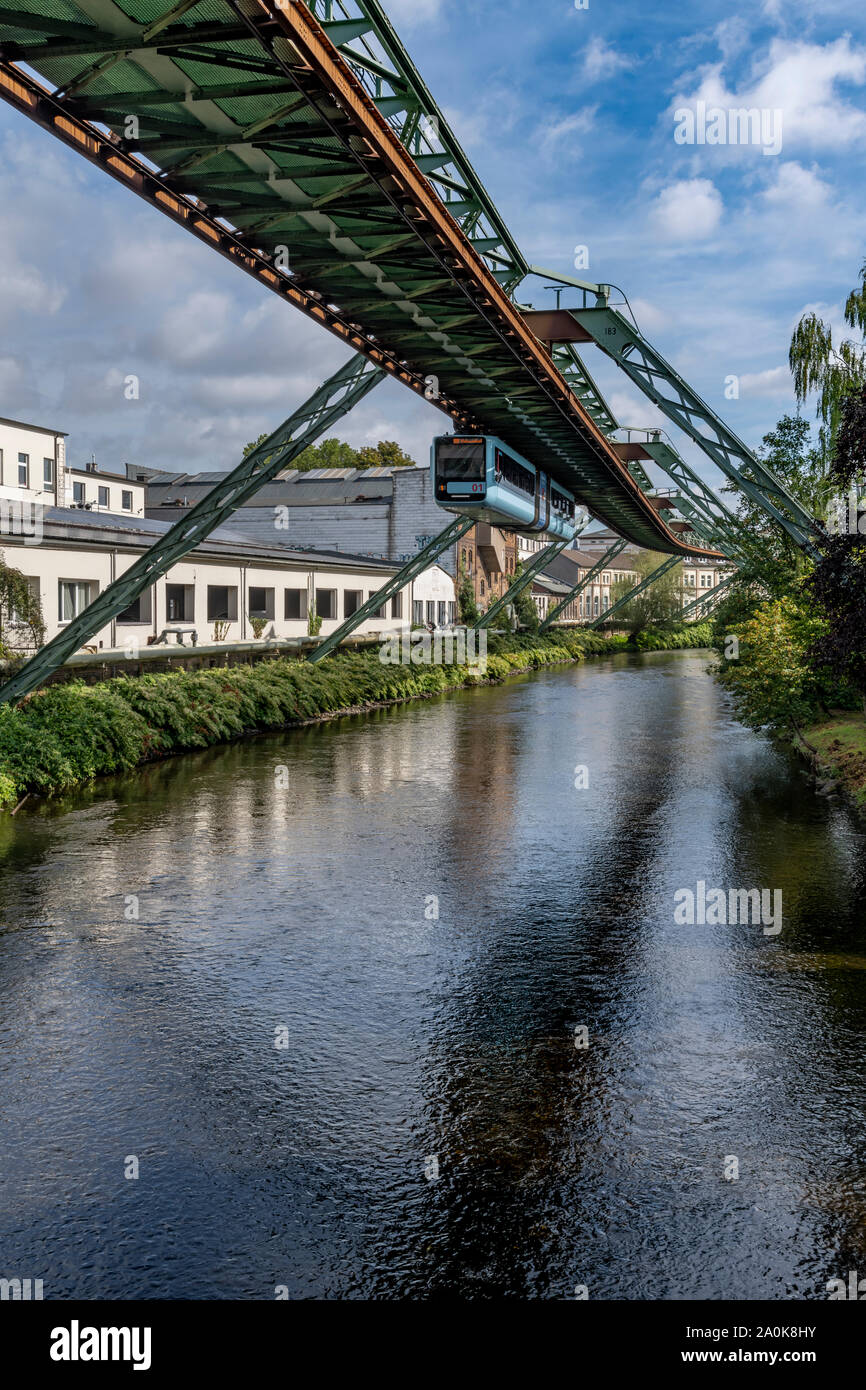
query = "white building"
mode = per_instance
[{"x": 32, "y": 464}]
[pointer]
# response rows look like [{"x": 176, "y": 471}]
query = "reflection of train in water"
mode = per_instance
[{"x": 482, "y": 478}]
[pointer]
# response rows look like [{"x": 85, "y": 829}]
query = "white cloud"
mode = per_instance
[
  {"x": 689, "y": 210},
  {"x": 601, "y": 61},
  {"x": 802, "y": 81},
  {"x": 775, "y": 381},
  {"x": 796, "y": 188},
  {"x": 559, "y": 134}
]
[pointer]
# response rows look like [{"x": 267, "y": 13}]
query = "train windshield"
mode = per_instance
[{"x": 460, "y": 460}]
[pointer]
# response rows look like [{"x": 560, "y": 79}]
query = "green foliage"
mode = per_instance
[
  {"x": 336, "y": 453},
  {"x": 774, "y": 683},
  {"x": 258, "y": 625},
  {"x": 830, "y": 370},
  {"x": 467, "y": 608},
  {"x": 67, "y": 734},
  {"x": 314, "y": 624},
  {"x": 20, "y": 611},
  {"x": 660, "y": 604},
  {"x": 524, "y": 606},
  {"x": 689, "y": 635}
]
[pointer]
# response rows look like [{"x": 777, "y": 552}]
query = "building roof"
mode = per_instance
[
  {"x": 37, "y": 429},
  {"x": 111, "y": 529}
]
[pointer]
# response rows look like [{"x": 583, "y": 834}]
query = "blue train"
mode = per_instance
[{"x": 481, "y": 477}]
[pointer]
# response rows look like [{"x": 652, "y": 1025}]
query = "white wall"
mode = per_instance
[
  {"x": 50, "y": 562},
  {"x": 38, "y": 445}
]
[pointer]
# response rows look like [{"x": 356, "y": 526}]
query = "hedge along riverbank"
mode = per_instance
[{"x": 63, "y": 736}]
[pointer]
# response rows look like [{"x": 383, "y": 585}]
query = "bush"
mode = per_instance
[{"x": 67, "y": 734}]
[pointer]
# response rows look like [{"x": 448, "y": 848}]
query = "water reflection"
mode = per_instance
[{"x": 304, "y": 901}]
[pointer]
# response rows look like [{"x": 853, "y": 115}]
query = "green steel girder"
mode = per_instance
[
  {"x": 324, "y": 408},
  {"x": 715, "y": 512},
  {"x": 453, "y": 531},
  {"x": 384, "y": 67},
  {"x": 698, "y": 603},
  {"x": 529, "y": 572},
  {"x": 598, "y": 568},
  {"x": 666, "y": 388},
  {"x": 657, "y": 573},
  {"x": 194, "y": 56}
]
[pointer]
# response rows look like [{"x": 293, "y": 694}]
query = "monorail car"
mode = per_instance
[{"x": 481, "y": 477}]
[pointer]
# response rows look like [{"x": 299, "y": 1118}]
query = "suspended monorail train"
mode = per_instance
[{"x": 481, "y": 477}]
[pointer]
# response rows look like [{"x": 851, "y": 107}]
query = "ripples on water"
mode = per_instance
[{"x": 263, "y": 908}]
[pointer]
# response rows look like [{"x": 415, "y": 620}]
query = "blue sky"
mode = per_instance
[{"x": 568, "y": 116}]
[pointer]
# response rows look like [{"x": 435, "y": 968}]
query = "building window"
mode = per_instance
[
  {"x": 48, "y": 472},
  {"x": 352, "y": 600},
  {"x": 596, "y": 605},
  {"x": 126, "y": 500},
  {"x": 74, "y": 598},
  {"x": 326, "y": 603},
  {"x": 180, "y": 603},
  {"x": 397, "y": 606},
  {"x": 418, "y": 611},
  {"x": 261, "y": 602},
  {"x": 296, "y": 605},
  {"x": 104, "y": 497},
  {"x": 78, "y": 492},
  {"x": 431, "y": 611},
  {"x": 452, "y": 612},
  {"x": 482, "y": 588},
  {"x": 23, "y": 470},
  {"x": 140, "y": 610},
  {"x": 379, "y": 612},
  {"x": 442, "y": 613},
  {"x": 222, "y": 603}
]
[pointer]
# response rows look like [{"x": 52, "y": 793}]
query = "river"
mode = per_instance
[{"x": 389, "y": 1007}]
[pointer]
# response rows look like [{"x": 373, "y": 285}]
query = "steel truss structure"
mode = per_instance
[
  {"x": 530, "y": 571},
  {"x": 651, "y": 578},
  {"x": 294, "y": 140},
  {"x": 324, "y": 408},
  {"x": 404, "y": 576},
  {"x": 598, "y": 568}
]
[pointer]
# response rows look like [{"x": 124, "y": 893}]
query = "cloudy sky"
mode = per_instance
[{"x": 568, "y": 116}]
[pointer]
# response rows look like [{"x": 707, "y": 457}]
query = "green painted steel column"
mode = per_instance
[
  {"x": 598, "y": 568},
  {"x": 327, "y": 405},
  {"x": 404, "y": 576},
  {"x": 639, "y": 588},
  {"x": 535, "y": 566},
  {"x": 666, "y": 388}
]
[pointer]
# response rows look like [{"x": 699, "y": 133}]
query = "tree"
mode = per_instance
[
  {"x": 467, "y": 608},
  {"x": 838, "y": 582},
  {"x": 831, "y": 371},
  {"x": 525, "y": 610},
  {"x": 661, "y": 603},
  {"x": 387, "y": 454},
  {"x": 336, "y": 453},
  {"x": 20, "y": 612},
  {"x": 774, "y": 681}
]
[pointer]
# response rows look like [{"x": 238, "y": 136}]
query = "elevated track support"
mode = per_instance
[
  {"x": 638, "y": 589},
  {"x": 404, "y": 576},
  {"x": 530, "y": 571},
  {"x": 598, "y": 568},
  {"x": 324, "y": 408}
]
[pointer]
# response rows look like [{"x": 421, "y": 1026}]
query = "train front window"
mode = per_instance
[{"x": 460, "y": 462}]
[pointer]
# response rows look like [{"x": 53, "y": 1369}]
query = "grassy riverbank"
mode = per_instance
[
  {"x": 68, "y": 734},
  {"x": 840, "y": 751}
]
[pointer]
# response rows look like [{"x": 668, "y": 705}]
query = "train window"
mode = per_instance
[
  {"x": 514, "y": 473},
  {"x": 460, "y": 462},
  {"x": 562, "y": 504}
]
